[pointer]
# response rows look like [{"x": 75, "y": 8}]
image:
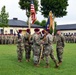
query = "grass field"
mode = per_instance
[{"x": 10, "y": 66}]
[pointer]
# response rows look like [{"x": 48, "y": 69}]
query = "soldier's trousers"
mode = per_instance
[
  {"x": 36, "y": 53},
  {"x": 27, "y": 52},
  {"x": 20, "y": 53},
  {"x": 59, "y": 54},
  {"x": 53, "y": 57}
]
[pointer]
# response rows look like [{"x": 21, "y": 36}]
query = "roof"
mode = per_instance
[
  {"x": 66, "y": 27},
  {"x": 19, "y": 23}
]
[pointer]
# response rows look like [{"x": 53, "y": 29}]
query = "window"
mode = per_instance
[
  {"x": 1, "y": 31},
  {"x": 11, "y": 31}
]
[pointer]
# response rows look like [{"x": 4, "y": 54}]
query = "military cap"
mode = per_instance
[
  {"x": 28, "y": 30},
  {"x": 43, "y": 31},
  {"x": 20, "y": 31},
  {"x": 36, "y": 29}
]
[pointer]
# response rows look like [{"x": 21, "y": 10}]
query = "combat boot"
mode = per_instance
[
  {"x": 37, "y": 65},
  {"x": 19, "y": 60},
  {"x": 47, "y": 65},
  {"x": 57, "y": 65},
  {"x": 59, "y": 62}
]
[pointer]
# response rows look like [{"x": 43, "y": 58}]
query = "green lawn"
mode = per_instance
[{"x": 10, "y": 66}]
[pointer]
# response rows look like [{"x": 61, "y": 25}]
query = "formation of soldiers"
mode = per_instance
[
  {"x": 70, "y": 38},
  {"x": 12, "y": 38},
  {"x": 8, "y": 39},
  {"x": 40, "y": 43}
]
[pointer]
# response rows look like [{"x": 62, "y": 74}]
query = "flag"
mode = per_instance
[
  {"x": 47, "y": 23},
  {"x": 50, "y": 22},
  {"x": 33, "y": 12}
]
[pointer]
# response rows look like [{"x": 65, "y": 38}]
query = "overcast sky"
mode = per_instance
[{"x": 12, "y": 7}]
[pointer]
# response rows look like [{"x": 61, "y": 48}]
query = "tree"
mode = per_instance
[
  {"x": 25, "y": 5},
  {"x": 43, "y": 23},
  {"x": 58, "y": 7},
  {"x": 3, "y": 17},
  {"x": 37, "y": 22}
]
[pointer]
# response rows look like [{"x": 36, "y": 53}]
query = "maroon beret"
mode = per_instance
[
  {"x": 28, "y": 30},
  {"x": 43, "y": 31},
  {"x": 36, "y": 29},
  {"x": 20, "y": 31}
]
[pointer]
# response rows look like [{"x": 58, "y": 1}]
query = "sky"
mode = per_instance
[{"x": 13, "y": 8}]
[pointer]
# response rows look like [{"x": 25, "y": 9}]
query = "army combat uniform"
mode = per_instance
[
  {"x": 20, "y": 46},
  {"x": 36, "y": 47},
  {"x": 27, "y": 45},
  {"x": 59, "y": 46},
  {"x": 48, "y": 50}
]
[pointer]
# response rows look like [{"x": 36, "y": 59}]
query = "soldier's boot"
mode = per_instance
[
  {"x": 57, "y": 65},
  {"x": 27, "y": 60},
  {"x": 36, "y": 64},
  {"x": 19, "y": 60},
  {"x": 59, "y": 62},
  {"x": 47, "y": 65}
]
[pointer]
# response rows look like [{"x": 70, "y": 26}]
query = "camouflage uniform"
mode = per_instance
[
  {"x": 36, "y": 48},
  {"x": 59, "y": 46},
  {"x": 15, "y": 38},
  {"x": 27, "y": 46},
  {"x": 20, "y": 47},
  {"x": 0, "y": 38},
  {"x": 2, "y": 41},
  {"x": 48, "y": 49},
  {"x": 6, "y": 38}
]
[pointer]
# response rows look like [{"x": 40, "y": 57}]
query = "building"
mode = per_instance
[
  {"x": 67, "y": 29},
  {"x": 15, "y": 25}
]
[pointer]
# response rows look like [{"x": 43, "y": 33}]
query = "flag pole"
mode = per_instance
[
  {"x": 53, "y": 27},
  {"x": 29, "y": 22}
]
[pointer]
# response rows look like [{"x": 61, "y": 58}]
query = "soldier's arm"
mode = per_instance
[
  {"x": 63, "y": 41},
  {"x": 37, "y": 41}
]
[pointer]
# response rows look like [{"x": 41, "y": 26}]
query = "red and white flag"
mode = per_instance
[{"x": 33, "y": 12}]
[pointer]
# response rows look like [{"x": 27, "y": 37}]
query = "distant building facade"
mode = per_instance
[
  {"x": 67, "y": 29},
  {"x": 15, "y": 24}
]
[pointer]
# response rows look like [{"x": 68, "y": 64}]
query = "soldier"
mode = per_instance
[
  {"x": 5, "y": 38},
  {"x": 36, "y": 46},
  {"x": 59, "y": 46},
  {"x": 27, "y": 45},
  {"x": 2, "y": 41},
  {"x": 0, "y": 38},
  {"x": 20, "y": 46},
  {"x": 48, "y": 50},
  {"x": 15, "y": 38}
]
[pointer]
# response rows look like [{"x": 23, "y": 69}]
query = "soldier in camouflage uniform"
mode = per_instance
[
  {"x": 0, "y": 39},
  {"x": 20, "y": 46},
  {"x": 59, "y": 46},
  {"x": 27, "y": 45},
  {"x": 6, "y": 38},
  {"x": 48, "y": 50},
  {"x": 36, "y": 46}
]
